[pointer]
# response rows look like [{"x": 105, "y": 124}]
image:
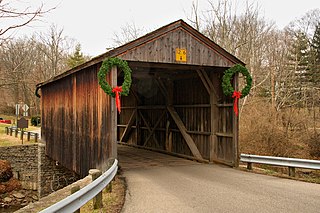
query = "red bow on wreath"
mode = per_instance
[
  {"x": 117, "y": 91},
  {"x": 236, "y": 95}
]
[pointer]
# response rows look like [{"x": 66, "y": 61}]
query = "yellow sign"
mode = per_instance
[{"x": 181, "y": 55}]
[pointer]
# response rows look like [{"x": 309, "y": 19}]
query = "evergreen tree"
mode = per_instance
[
  {"x": 315, "y": 57},
  {"x": 298, "y": 67},
  {"x": 76, "y": 58}
]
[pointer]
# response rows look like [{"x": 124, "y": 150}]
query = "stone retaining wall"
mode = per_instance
[
  {"x": 24, "y": 163},
  {"x": 35, "y": 170}
]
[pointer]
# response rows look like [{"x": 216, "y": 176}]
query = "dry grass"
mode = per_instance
[
  {"x": 306, "y": 175},
  {"x": 265, "y": 131},
  {"x": 112, "y": 202},
  {"x": 7, "y": 140}
]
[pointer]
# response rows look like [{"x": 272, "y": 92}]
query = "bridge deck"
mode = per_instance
[{"x": 134, "y": 158}]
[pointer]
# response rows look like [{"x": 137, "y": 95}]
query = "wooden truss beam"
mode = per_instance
[
  {"x": 126, "y": 133},
  {"x": 153, "y": 129},
  {"x": 149, "y": 129},
  {"x": 206, "y": 82},
  {"x": 214, "y": 112},
  {"x": 191, "y": 144},
  {"x": 162, "y": 87}
]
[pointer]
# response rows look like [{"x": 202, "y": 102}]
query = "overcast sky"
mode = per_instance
[{"x": 93, "y": 23}]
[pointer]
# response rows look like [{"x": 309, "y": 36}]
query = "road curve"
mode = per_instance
[{"x": 193, "y": 187}]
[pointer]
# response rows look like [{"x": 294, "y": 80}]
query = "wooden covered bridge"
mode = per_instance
[{"x": 176, "y": 103}]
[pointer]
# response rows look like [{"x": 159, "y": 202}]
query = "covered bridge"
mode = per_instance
[{"x": 176, "y": 103}]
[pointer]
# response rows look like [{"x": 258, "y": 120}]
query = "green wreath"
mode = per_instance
[
  {"x": 106, "y": 66},
  {"x": 226, "y": 80}
]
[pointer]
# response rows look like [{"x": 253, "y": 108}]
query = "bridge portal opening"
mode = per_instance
[{"x": 177, "y": 109}]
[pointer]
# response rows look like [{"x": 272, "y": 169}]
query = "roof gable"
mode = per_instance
[{"x": 160, "y": 46}]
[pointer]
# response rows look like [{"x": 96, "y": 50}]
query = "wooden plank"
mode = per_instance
[
  {"x": 192, "y": 106},
  {"x": 153, "y": 129},
  {"x": 214, "y": 114},
  {"x": 168, "y": 153},
  {"x": 74, "y": 127},
  {"x": 152, "y": 107},
  {"x": 220, "y": 134},
  {"x": 148, "y": 127},
  {"x": 135, "y": 95},
  {"x": 191, "y": 144},
  {"x": 138, "y": 128},
  {"x": 149, "y": 107},
  {"x": 125, "y": 135},
  {"x": 127, "y": 107},
  {"x": 206, "y": 77},
  {"x": 170, "y": 142},
  {"x": 113, "y": 116},
  {"x": 167, "y": 134},
  {"x": 236, "y": 155},
  {"x": 225, "y": 105},
  {"x": 206, "y": 85},
  {"x": 162, "y": 87}
]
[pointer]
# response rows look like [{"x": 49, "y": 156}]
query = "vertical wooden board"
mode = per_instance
[
  {"x": 235, "y": 130},
  {"x": 113, "y": 143},
  {"x": 74, "y": 123}
]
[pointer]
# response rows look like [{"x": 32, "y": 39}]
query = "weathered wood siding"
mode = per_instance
[
  {"x": 163, "y": 49},
  {"x": 76, "y": 121}
]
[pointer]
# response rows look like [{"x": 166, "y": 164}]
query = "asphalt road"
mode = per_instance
[{"x": 169, "y": 184}]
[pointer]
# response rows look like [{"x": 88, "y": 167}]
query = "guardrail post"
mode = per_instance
[
  {"x": 74, "y": 189},
  {"x": 10, "y": 131},
  {"x": 16, "y": 133},
  {"x": 249, "y": 166},
  {"x": 292, "y": 171},
  {"x": 7, "y": 130},
  {"x": 21, "y": 135},
  {"x": 28, "y": 136},
  {"x": 97, "y": 200},
  {"x": 109, "y": 164},
  {"x": 36, "y": 137}
]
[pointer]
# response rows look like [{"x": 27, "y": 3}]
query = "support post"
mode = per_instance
[
  {"x": 109, "y": 164},
  {"x": 236, "y": 128},
  {"x": 126, "y": 134},
  {"x": 183, "y": 130},
  {"x": 10, "y": 131},
  {"x": 249, "y": 166},
  {"x": 74, "y": 189},
  {"x": 28, "y": 136},
  {"x": 36, "y": 135},
  {"x": 16, "y": 133},
  {"x": 214, "y": 113},
  {"x": 7, "y": 130},
  {"x": 292, "y": 171},
  {"x": 114, "y": 122},
  {"x": 21, "y": 135},
  {"x": 97, "y": 200}
]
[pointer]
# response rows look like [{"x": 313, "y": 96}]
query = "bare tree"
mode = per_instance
[
  {"x": 24, "y": 62},
  {"x": 54, "y": 46},
  {"x": 17, "y": 18},
  {"x": 127, "y": 33},
  {"x": 194, "y": 17},
  {"x": 244, "y": 34},
  {"x": 17, "y": 63}
]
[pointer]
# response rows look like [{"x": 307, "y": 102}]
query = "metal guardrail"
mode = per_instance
[
  {"x": 10, "y": 130},
  {"x": 87, "y": 193},
  {"x": 292, "y": 163}
]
